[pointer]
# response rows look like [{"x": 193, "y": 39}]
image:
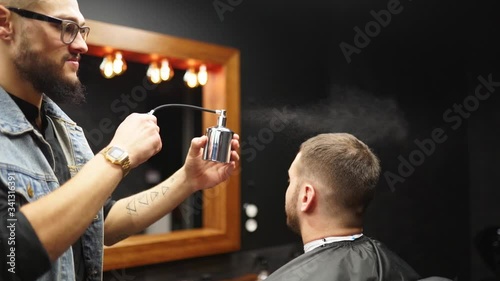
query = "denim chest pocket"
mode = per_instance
[{"x": 29, "y": 186}]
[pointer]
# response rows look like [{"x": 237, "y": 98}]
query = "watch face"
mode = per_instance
[{"x": 116, "y": 152}]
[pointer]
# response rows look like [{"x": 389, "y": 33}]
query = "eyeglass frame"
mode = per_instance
[{"x": 63, "y": 23}]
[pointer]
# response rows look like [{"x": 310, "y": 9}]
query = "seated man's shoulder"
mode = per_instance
[{"x": 362, "y": 259}]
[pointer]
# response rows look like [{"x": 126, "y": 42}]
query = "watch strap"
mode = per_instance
[{"x": 124, "y": 163}]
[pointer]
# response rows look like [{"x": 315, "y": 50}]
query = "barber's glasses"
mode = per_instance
[{"x": 69, "y": 29}]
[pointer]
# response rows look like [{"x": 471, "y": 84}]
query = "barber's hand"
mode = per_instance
[
  {"x": 139, "y": 135},
  {"x": 206, "y": 174}
]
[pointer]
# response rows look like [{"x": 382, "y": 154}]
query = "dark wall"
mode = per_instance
[
  {"x": 483, "y": 139},
  {"x": 399, "y": 90}
]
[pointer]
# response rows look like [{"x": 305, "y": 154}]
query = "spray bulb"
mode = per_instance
[{"x": 218, "y": 147}]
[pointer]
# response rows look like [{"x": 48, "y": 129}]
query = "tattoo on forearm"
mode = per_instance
[
  {"x": 131, "y": 208},
  {"x": 143, "y": 199},
  {"x": 146, "y": 199},
  {"x": 154, "y": 195},
  {"x": 164, "y": 189}
]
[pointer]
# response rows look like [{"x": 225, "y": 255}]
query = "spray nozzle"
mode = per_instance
[{"x": 221, "y": 120}]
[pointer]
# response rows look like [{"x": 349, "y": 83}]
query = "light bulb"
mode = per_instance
[
  {"x": 202, "y": 75},
  {"x": 251, "y": 225},
  {"x": 106, "y": 67},
  {"x": 119, "y": 65},
  {"x": 166, "y": 72},
  {"x": 251, "y": 210},
  {"x": 155, "y": 76},
  {"x": 190, "y": 78},
  {"x": 153, "y": 73}
]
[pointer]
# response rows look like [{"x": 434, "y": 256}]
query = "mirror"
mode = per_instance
[
  {"x": 220, "y": 230},
  {"x": 112, "y": 100}
]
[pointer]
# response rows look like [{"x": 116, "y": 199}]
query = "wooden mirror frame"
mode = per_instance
[{"x": 220, "y": 231}]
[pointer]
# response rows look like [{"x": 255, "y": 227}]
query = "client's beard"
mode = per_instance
[{"x": 292, "y": 219}]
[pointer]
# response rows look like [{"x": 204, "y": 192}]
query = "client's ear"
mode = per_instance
[{"x": 307, "y": 198}]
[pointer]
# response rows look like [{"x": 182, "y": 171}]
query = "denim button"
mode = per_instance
[{"x": 30, "y": 191}]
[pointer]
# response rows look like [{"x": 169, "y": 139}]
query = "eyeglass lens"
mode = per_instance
[{"x": 70, "y": 31}]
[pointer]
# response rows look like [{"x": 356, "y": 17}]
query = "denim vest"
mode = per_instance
[{"x": 23, "y": 163}]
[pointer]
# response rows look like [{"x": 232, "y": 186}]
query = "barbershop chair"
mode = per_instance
[{"x": 488, "y": 245}]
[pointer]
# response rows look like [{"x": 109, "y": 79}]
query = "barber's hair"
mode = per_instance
[
  {"x": 345, "y": 166},
  {"x": 19, "y": 3}
]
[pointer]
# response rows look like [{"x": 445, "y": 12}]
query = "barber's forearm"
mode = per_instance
[
  {"x": 134, "y": 213},
  {"x": 62, "y": 216}
]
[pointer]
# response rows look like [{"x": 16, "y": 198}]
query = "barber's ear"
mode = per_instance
[
  {"x": 307, "y": 198},
  {"x": 5, "y": 23}
]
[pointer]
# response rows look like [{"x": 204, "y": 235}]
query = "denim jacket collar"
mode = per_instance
[{"x": 13, "y": 122}]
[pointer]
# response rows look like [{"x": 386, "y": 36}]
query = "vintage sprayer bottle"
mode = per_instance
[{"x": 218, "y": 147}]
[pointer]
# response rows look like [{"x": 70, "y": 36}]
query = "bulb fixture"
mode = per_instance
[{"x": 191, "y": 78}]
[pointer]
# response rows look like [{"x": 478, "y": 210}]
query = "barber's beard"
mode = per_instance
[
  {"x": 47, "y": 75},
  {"x": 292, "y": 218}
]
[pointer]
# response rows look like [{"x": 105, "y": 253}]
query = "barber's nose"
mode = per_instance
[{"x": 79, "y": 45}]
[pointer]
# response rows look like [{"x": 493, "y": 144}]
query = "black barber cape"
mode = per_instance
[{"x": 361, "y": 259}]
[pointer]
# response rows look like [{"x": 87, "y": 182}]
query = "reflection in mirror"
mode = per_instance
[
  {"x": 220, "y": 216},
  {"x": 111, "y": 100}
]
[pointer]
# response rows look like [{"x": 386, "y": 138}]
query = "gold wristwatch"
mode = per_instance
[{"x": 117, "y": 156}]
